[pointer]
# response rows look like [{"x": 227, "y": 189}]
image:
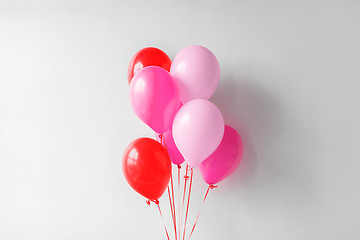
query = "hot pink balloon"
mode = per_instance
[
  {"x": 197, "y": 72},
  {"x": 198, "y": 129},
  {"x": 224, "y": 161},
  {"x": 175, "y": 155},
  {"x": 155, "y": 97}
]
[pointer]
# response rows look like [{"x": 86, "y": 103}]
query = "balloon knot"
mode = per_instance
[
  {"x": 179, "y": 166},
  {"x": 212, "y": 186},
  {"x": 154, "y": 201}
]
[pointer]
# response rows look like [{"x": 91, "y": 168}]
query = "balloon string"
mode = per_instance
[
  {"x": 179, "y": 167},
  {"x": 162, "y": 218},
  {"x": 161, "y": 140},
  {"x": 173, "y": 207},
  {"x": 188, "y": 202},
  {"x": 186, "y": 178},
  {"x": 172, "y": 188},
  {"x": 172, "y": 201},
  {"x": 197, "y": 218},
  {"x": 172, "y": 212}
]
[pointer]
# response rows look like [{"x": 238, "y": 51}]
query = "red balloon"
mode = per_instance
[
  {"x": 147, "y": 167},
  {"x": 149, "y": 56}
]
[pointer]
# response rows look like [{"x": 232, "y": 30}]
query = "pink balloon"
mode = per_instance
[
  {"x": 224, "y": 161},
  {"x": 155, "y": 97},
  {"x": 197, "y": 72},
  {"x": 197, "y": 130},
  {"x": 175, "y": 155}
]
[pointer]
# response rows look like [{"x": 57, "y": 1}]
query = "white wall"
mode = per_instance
[{"x": 289, "y": 84}]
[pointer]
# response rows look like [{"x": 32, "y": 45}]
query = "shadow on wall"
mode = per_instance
[
  {"x": 274, "y": 141},
  {"x": 254, "y": 114}
]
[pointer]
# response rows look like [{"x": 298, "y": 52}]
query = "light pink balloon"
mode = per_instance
[
  {"x": 197, "y": 130},
  {"x": 197, "y": 72},
  {"x": 175, "y": 155},
  {"x": 224, "y": 161},
  {"x": 155, "y": 97}
]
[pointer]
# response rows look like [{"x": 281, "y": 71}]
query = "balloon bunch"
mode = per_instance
[{"x": 172, "y": 99}]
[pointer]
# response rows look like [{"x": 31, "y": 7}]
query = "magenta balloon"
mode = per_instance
[
  {"x": 197, "y": 130},
  {"x": 175, "y": 155},
  {"x": 224, "y": 161},
  {"x": 155, "y": 97},
  {"x": 197, "y": 72}
]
